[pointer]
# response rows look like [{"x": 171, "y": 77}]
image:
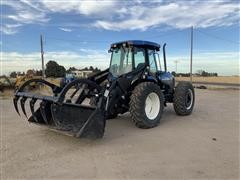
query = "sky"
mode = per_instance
[{"x": 79, "y": 33}]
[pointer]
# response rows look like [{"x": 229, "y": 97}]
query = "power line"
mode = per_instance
[
  {"x": 228, "y": 28},
  {"x": 176, "y": 63},
  {"x": 164, "y": 34},
  {"x": 103, "y": 41},
  {"x": 191, "y": 53},
  {"x": 217, "y": 37},
  {"x": 76, "y": 41},
  {"x": 42, "y": 56}
]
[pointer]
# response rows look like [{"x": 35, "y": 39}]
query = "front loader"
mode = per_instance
[{"x": 134, "y": 82}]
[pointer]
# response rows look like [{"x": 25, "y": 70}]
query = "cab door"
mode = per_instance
[{"x": 152, "y": 61}]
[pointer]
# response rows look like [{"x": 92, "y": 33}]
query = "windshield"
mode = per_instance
[{"x": 121, "y": 62}]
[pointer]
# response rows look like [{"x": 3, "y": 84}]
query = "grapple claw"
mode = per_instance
[
  {"x": 32, "y": 103},
  {"x": 22, "y": 101},
  {"x": 76, "y": 116},
  {"x": 43, "y": 111},
  {"x": 15, "y": 101}
]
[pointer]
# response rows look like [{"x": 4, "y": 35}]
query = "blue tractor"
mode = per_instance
[
  {"x": 135, "y": 82},
  {"x": 69, "y": 77}
]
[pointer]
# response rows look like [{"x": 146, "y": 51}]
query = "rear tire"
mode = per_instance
[
  {"x": 146, "y": 105},
  {"x": 184, "y": 98}
]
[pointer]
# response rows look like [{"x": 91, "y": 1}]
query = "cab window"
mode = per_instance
[
  {"x": 121, "y": 62},
  {"x": 152, "y": 61},
  {"x": 139, "y": 57}
]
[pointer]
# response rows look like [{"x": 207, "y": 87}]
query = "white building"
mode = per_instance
[{"x": 81, "y": 73}]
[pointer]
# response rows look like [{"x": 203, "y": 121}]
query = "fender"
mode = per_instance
[
  {"x": 151, "y": 78},
  {"x": 147, "y": 78}
]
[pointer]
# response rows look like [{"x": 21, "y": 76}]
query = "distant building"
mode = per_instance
[{"x": 81, "y": 73}]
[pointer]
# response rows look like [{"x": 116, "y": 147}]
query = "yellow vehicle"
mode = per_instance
[
  {"x": 22, "y": 79},
  {"x": 5, "y": 83}
]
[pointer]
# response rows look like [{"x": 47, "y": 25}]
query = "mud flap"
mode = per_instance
[{"x": 79, "y": 120}]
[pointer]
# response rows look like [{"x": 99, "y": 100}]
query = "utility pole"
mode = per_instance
[
  {"x": 176, "y": 62},
  {"x": 191, "y": 53},
  {"x": 42, "y": 56}
]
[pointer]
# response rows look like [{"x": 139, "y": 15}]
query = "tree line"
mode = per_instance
[
  {"x": 53, "y": 69},
  {"x": 201, "y": 73}
]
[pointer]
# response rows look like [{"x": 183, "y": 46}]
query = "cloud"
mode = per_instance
[
  {"x": 21, "y": 13},
  {"x": 179, "y": 14},
  {"x": 26, "y": 17},
  {"x": 10, "y": 28},
  {"x": 66, "y": 29},
  {"x": 119, "y": 15},
  {"x": 224, "y": 63},
  {"x": 15, "y": 61},
  {"x": 93, "y": 7}
]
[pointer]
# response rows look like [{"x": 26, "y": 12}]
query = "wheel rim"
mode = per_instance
[
  {"x": 189, "y": 99},
  {"x": 152, "y": 106}
]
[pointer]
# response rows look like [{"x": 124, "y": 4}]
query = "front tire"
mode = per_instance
[
  {"x": 146, "y": 105},
  {"x": 184, "y": 98}
]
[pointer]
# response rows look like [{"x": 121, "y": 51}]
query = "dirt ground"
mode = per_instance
[
  {"x": 204, "y": 145},
  {"x": 219, "y": 79}
]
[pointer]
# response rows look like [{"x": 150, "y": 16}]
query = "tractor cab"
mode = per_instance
[
  {"x": 137, "y": 57},
  {"x": 129, "y": 56}
]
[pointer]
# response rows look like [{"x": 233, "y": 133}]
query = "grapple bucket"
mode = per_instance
[
  {"x": 81, "y": 121},
  {"x": 70, "y": 116}
]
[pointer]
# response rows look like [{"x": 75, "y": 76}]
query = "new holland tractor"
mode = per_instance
[{"x": 135, "y": 82}]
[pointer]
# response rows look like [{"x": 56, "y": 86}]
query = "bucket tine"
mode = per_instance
[
  {"x": 42, "y": 109},
  {"x": 53, "y": 109},
  {"x": 32, "y": 103},
  {"x": 15, "y": 101},
  {"x": 22, "y": 101}
]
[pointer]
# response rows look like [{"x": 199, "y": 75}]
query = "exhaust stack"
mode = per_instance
[{"x": 164, "y": 57}]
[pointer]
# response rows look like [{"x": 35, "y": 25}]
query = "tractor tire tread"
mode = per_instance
[
  {"x": 136, "y": 104},
  {"x": 179, "y": 98}
]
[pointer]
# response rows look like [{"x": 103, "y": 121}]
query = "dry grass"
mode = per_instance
[
  {"x": 55, "y": 81},
  {"x": 45, "y": 90},
  {"x": 219, "y": 79}
]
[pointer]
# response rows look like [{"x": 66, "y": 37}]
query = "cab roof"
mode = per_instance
[{"x": 141, "y": 43}]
